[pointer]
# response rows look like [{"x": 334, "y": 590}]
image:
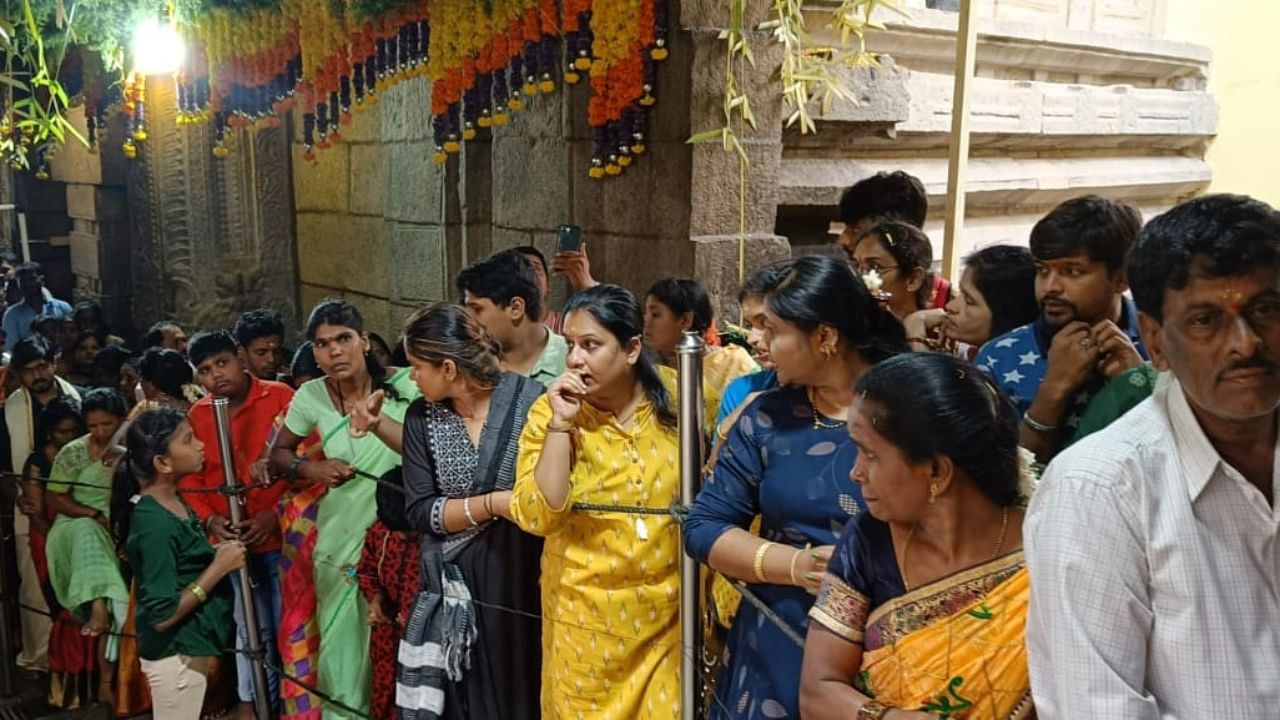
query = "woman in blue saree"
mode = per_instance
[{"x": 787, "y": 459}]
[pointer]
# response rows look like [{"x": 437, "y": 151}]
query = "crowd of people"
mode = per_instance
[{"x": 1045, "y": 489}]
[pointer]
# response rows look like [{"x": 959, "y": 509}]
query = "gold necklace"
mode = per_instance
[
  {"x": 902, "y": 570},
  {"x": 818, "y": 423}
]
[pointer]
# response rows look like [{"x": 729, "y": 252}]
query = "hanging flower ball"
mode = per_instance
[
  {"x": 441, "y": 155},
  {"x": 468, "y": 131},
  {"x": 140, "y": 135},
  {"x": 571, "y": 76},
  {"x": 451, "y": 145},
  {"x": 500, "y": 119},
  {"x": 597, "y": 169},
  {"x": 220, "y": 150},
  {"x": 637, "y": 144},
  {"x": 659, "y": 51},
  {"x": 130, "y": 150},
  {"x": 516, "y": 103}
]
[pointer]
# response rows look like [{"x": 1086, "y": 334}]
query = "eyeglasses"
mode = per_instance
[{"x": 876, "y": 268}]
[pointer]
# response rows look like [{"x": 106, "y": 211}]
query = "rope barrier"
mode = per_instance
[{"x": 260, "y": 655}]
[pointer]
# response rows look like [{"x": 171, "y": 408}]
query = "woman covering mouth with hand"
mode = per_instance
[{"x": 605, "y": 434}]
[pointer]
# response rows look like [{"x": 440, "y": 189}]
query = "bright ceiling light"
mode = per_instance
[{"x": 157, "y": 48}]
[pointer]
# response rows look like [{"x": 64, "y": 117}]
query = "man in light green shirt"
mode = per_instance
[{"x": 502, "y": 291}]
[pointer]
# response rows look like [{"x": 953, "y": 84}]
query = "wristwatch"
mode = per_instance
[{"x": 873, "y": 710}]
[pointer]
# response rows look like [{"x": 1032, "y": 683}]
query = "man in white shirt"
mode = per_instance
[{"x": 1152, "y": 545}]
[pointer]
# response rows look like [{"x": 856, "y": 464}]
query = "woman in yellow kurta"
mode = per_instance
[{"x": 605, "y": 433}]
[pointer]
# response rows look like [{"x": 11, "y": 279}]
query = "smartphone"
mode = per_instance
[{"x": 569, "y": 239}]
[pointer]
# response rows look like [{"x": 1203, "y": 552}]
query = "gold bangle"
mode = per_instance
[
  {"x": 566, "y": 429},
  {"x": 794, "y": 557},
  {"x": 873, "y": 710},
  {"x": 199, "y": 592},
  {"x": 758, "y": 564}
]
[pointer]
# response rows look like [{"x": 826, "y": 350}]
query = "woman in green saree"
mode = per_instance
[
  {"x": 923, "y": 609},
  {"x": 84, "y": 568},
  {"x": 351, "y": 375}
]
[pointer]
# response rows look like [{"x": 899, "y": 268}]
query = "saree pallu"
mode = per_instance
[
  {"x": 955, "y": 647},
  {"x": 299, "y": 637}
]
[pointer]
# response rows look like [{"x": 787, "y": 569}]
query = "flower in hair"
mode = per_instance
[
  {"x": 1028, "y": 473},
  {"x": 873, "y": 281}
]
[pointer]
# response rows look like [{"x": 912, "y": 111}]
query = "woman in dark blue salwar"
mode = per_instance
[{"x": 787, "y": 460}]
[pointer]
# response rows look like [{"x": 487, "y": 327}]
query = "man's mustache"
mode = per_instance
[{"x": 1257, "y": 362}]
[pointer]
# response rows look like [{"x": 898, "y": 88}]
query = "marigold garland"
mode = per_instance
[{"x": 251, "y": 61}]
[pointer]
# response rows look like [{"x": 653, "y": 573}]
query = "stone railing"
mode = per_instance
[{"x": 1056, "y": 112}]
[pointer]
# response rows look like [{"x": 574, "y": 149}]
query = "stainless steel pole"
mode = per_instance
[
  {"x": 222, "y": 418},
  {"x": 689, "y": 364}
]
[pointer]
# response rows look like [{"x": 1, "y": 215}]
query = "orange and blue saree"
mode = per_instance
[{"x": 954, "y": 647}]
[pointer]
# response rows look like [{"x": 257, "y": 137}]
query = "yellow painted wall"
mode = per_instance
[{"x": 1245, "y": 78}]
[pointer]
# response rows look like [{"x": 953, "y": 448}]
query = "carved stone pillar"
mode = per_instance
[{"x": 211, "y": 237}]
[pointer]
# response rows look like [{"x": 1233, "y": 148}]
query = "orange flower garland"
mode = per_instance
[{"x": 250, "y": 63}]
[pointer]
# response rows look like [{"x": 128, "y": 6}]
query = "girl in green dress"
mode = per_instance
[
  {"x": 324, "y": 405},
  {"x": 184, "y": 605},
  {"x": 84, "y": 568}
]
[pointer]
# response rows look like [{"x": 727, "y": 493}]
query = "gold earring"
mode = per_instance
[{"x": 933, "y": 493}]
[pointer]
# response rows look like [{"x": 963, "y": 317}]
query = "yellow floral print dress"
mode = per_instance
[
  {"x": 610, "y": 582},
  {"x": 721, "y": 366}
]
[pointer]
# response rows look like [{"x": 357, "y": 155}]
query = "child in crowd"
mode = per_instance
[{"x": 389, "y": 576}]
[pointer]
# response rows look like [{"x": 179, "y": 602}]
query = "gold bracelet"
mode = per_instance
[
  {"x": 758, "y": 564},
  {"x": 873, "y": 710},
  {"x": 566, "y": 429},
  {"x": 795, "y": 556},
  {"x": 199, "y": 592},
  {"x": 466, "y": 510}
]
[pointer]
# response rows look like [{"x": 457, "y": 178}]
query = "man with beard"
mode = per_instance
[
  {"x": 34, "y": 359},
  {"x": 1152, "y": 544},
  {"x": 1087, "y": 332}
]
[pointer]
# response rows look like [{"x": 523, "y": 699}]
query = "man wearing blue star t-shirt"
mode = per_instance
[{"x": 1087, "y": 332}]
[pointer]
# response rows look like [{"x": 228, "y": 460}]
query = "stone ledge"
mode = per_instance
[
  {"x": 1001, "y": 182},
  {"x": 928, "y": 36}
]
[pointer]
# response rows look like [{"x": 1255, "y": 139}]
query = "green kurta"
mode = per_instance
[
  {"x": 345, "y": 515},
  {"x": 167, "y": 554},
  {"x": 82, "y": 561},
  {"x": 83, "y": 565}
]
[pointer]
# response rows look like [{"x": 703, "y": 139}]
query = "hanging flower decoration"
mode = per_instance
[{"x": 251, "y": 61}]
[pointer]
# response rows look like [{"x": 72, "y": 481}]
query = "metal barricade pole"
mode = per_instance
[
  {"x": 222, "y": 417},
  {"x": 689, "y": 365}
]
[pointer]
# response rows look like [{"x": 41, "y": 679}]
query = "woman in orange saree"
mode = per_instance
[{"x": 922, "y": 612}]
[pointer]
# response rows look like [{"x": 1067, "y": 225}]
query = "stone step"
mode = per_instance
[{"x": 1001, "y": 182}]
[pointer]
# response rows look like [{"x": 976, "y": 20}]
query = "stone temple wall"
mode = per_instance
[
  {"x": 1069, "y": 97},
  {"x": 379, "y": 223}
]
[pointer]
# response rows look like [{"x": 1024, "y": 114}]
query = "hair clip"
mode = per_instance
[
  {"x": 888, "y": 237},
  {"x": 960, "y": 373}
]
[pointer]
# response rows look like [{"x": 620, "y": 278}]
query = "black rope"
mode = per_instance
[
  {"x": 259, "y": 655},
  {"x": 18, "y": 477}
]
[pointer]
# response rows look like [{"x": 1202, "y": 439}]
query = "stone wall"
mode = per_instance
[
  {"x": 208, "y": 237},
  {"x": 381, "y": 224},
  {"x": 1069, "y": 97}
]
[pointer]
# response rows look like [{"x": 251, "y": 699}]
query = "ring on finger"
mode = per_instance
[{"x": 1086, "y": 342}]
